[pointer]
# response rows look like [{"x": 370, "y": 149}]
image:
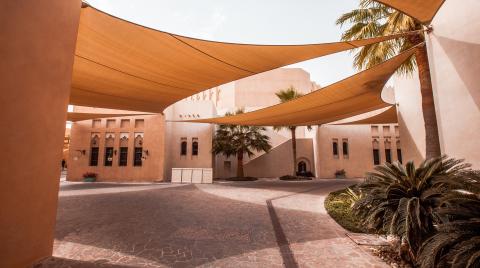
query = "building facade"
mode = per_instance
[{"x": 146, "y": 148}]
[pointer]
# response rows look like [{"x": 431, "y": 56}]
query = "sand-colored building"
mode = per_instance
[
  {"x": 146, "y": 148},
  {"x": 37, "y": 95}
]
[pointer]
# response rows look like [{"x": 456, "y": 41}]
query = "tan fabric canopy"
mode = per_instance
[
  {"x": 389, "y": 116},
  {"x": 74, "y": 116},
  {"x": 422, "y": 10},
  {"x": 121, "y": 65},
  {"x": 355, "y": 95}
]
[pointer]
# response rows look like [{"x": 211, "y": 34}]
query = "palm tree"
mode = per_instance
[
  {"x": 284, "y": 96},
  {"x": 239, "y": 140},
  {"x": 401, "y": 200},
  {"x": 373, "y": 19}
]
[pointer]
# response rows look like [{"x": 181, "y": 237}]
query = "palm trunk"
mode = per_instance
[
  {"x": 432, "y": 141},
  {"x": 294, "y": 150},
  {"x": 240, "y": 164}
]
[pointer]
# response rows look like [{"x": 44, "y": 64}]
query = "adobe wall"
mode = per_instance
[
  {"x": 38, "y": 44},
  {"x": 152, "y": 168},
  {"x": 454, "y": 54},
  {"x": 176, "y": 132},
  {"x": 279, "y": 161},
  {"x": 360, "y": 148}
]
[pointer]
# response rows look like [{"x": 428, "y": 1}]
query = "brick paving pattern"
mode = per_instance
[{"x": 242, "y": 224}]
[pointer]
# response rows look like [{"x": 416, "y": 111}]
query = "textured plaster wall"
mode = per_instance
[
  {"x": 360, "y": 157},
  {"x": 410, "y": 119},
  {"x": 153, "y": 141},
  {"x": 37, "y": 50},
  {"x": 279, "y": 161},
  {"x": 259, "y": 90},
  {"x": 454, "y": 52},
  {"x": 175, "y": 131}
]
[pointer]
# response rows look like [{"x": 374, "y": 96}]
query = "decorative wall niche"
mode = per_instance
[
  {"x": 111, "y": 123},
  {"x": 139, "y": 123},
  {"x": 125, "y": 123}
]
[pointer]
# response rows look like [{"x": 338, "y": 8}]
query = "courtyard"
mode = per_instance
[{"x": 266, "y": 223}]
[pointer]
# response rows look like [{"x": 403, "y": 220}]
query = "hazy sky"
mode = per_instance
[{"x": 248, "y": 21}]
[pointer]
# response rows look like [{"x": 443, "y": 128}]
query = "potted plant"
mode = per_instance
[
  {"x": 340, "y": 174},
  {"x": 90, "y": 177}
]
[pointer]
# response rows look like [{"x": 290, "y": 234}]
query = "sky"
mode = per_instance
[{"x": 248, "y": 21}]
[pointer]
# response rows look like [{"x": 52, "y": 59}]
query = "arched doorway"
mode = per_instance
[{"x": 302, "y": 167}]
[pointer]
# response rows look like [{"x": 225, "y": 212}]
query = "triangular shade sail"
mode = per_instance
[
  {"x": 352, "y": 96},
  {"x": 74, "y": 116},
  {"x": 422, "y": 10},
  {"x": 389, "y": 116},
  {"x": 121, "y": 65}
]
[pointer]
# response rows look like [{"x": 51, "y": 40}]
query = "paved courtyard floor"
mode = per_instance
[{"x": 238, "y": 224}]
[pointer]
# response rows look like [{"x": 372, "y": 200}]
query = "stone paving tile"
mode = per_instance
[{"x": 219, "y": 225}]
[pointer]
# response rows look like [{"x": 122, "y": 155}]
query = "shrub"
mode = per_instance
[
  {"x": 456, "y": 242},
  {"x": 401, "y": 200},
  {"x": 340, "y": 173},
  {"x": 90, "y": 175},
  {"x": 294, "y": 178},
  {"x": 351, "y": 196},
  {"x": 305, "y": 174},
  {"x": 241, "y": 179},
  {"x": 339, "y": 207}
]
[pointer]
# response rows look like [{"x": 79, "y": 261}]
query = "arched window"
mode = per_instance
[
  {"x": 183, "y": 148},
  {"x": 94, "y": 149},
  {"x": 123, "y": 155},
  {"x": 138, "y": 150},
  {"x": 195, "y": 148},
  {"x": 109, "y": 142}
]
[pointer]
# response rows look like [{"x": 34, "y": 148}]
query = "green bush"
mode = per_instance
[{"x": 339, "y": 206}]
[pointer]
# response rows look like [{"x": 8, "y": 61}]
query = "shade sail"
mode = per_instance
[
  {"x": 352, "y": 96},
  {"x": 422, "y": 10},
  {"x": 122, "y": 65},
  {"x": 74, "y": 116},
  {"x": 389, "y": 116}
]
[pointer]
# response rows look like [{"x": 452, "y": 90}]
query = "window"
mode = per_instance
[
  {"x": 137, "y": 154},
  {"x": 94, "y": 142},
  {"x": 399, "y": 155},
  {"x": 345, "y": 148},
  {"x": 376, "y": 157},
  {"x": 388, "y": 155},
  {"x": 137, "y": 157},
  {"x": 94, "y": 157},
  {"x": 194, "y": 146},
  {"x": 123, "y": 157},
  {"x": 183, "y": 148},
  {"x": 108, "y": 156},
  {"x": 335, "y": 148}
]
